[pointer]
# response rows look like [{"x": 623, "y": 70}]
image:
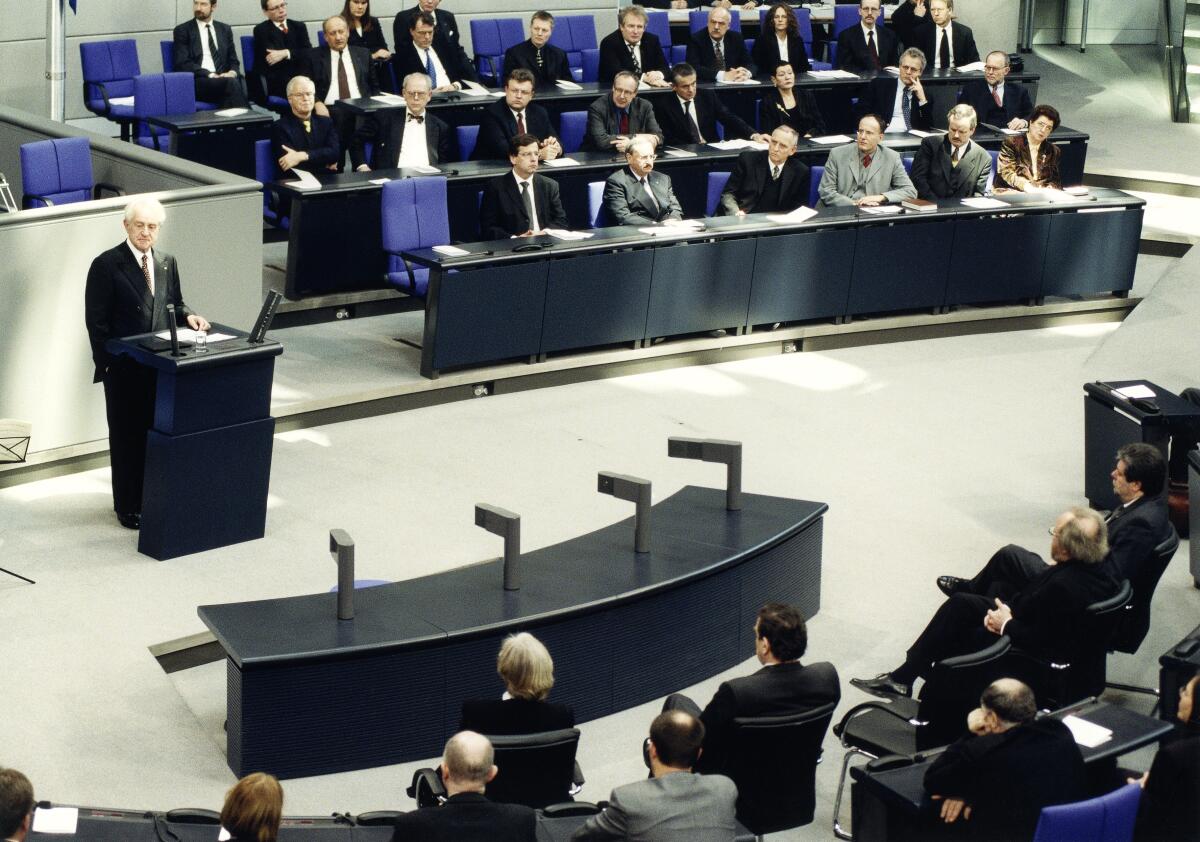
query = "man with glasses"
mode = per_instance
[
  {"x": 615, "y": 120},
  {"x": 636, "y": 194},
  {"x": 867, "y": 48},
  {"x": 303, "y": 138},
  {"x": 279, "y": 44},
  {"x": 413, "y": 137},
  {"x": 901, "y": 98},
  {"x": 443, "y": 61},
  {"x": 996, "y": 101},
  {"x": 520, "y": 203},
  {"x": 944, "y": 41},
  {"x": 864, "y": 173},
  {"x": 631, "y": 48},
  {"x": 16, "y": 805}
]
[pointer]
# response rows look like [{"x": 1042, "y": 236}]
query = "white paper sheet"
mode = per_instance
[
  {"x": 983, "y": 202},
  {"x": 973, "y": 67},
  {"x": 881, "y": 210},
  {"x": 389, "y": 99},
  {"x": 1138, "y": 391},
  {"x": 307, "y": 181},
  {"x": 55, "y": 820},
  {"x": 563, "y": 234},
  {"x": 562, "y": 162},
  {"x": 475, "y": 89},
  {"x": 120, "y": 100},
  {"x": 1087, "y": 734},
  {"x": 737, "y": 143},
  {"x": 451, "y": 251},
  {"x": 832, "y": 74},
  {"x": 798, "y": 215},
  {"x": 829, "y": 139},
  {"x": 186, "y": 334},
  {"x": 383, "y": 180},
  {"x": 424, "y": 168},
  {"x": 569, "y": 86},
  {"x": 231, "y": 112},
  {"x": 678, "y": 153},
  {"x": 738, "y": 82}
]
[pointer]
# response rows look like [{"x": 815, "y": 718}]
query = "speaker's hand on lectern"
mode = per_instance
[{"x": 198, "y": 322}]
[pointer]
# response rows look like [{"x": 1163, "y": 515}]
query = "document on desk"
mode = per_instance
[
  {"x": 673, "y": 152},
  {"x": 383, "y": 180},
  {"x": 892, "y": 69},
  {"x": 56, "y": 820},
  {"x": 973, "y": 67},
  {"x": 832, "y": 74},
  {"x": 880, "y": 210},
  {"x": 738, "y": 82},
  {"x": 983, "y": 203},
  {"x": 737, "y": 143},
  {"x": 231, "y": 112},
  {"x": 1087, "y": 734},
  {"x": 919, "y": 133},
  {"x": 1138, "y": 391},
  {"x": 306, "y": 180},
  {"x": 451, "y": 251},
  {"x": 424, "y": 169},
  {"x": 563, "y": 234},
  {"x": 798, "y": 215},
  {"x": 569, "y": 86},
  {"x": 186, "y": 334},
  {"x": 562, "y": 162},
  {"x": 830, "y": 139},
  {"x": 389, "y": 99},
  {"x": 476, "y": 89}
]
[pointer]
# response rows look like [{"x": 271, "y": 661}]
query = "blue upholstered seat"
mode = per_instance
[
  {"x": 413, "y": 211},
  {"x": 157, "y": 94},
  {"x": 108, "y": 68},
  {"x": 58, "y": 172}
]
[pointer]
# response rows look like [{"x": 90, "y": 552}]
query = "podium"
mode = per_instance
[{"x": 208, "y": 452}]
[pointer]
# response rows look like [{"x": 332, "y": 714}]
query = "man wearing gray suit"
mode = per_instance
[
  {"x": 863, "y": 173},
  {"x": 952, "y": 166},
  {"x": 675, "y": 803},
  {"x": 636, "y": 195},
  {"x": 615, "y": 120}
]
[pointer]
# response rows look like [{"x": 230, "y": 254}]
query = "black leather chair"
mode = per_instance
[
  {"x": 903, "y": 726},
  {"x": 1134, "y": 624}
]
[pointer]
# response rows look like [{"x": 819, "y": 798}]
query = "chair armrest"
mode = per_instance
[
  {"x": 193, "y": 815},
  {"x": 570, "y": 808},
  {"x": 427, "y": 788},
  {"x": 377, "y": 818},
  {"x": 103, "y": 95},
  {"x": 577, "y": 776},
  {"x": 1001, "y": 647},
  {"x": 104, "y": 186},
  {"x": 26, "y": 197},
  {"x": 902, "y": 708}
]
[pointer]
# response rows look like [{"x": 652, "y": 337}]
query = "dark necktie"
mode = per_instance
[
  {"x": 718, "y": 56},
  {"x": 521, "y": 123},
  {"x": 871, "y": 47},
  {"x": 413, "y": 118},
  {"x": 527, "y": 200},
  {"x": 774, "y": 172},
  {"x": 637, "y": 65},
  {"x": 693, "y": 129},
  {"x": 538, "y": 58},
  {"x": 212, "y": 47},
  {"x": 146, "y": 273},
  {"x": 650, "y": 193},
  {"x": 944, "y": 50},
  {"x": 623, "y": 122},
  {"x": 954, "y": 155},
  {"x": 283, "y": 28},
  {"x": 866, "y": 161},
  {"x": 996, "y": 95},
  {"x": 906, "y": 108},
  {"x": 343, "y": 79}
]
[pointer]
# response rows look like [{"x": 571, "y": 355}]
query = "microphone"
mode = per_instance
[{"x": 175, "y": 352}]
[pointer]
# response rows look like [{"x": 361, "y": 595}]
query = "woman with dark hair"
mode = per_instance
[
  {"x": 1170, "y": 806},
  {"x": 779, "y": 42},
  {"x": 528, "y": 672},
  {"x": 253, "y": 809},
  {"x": 365, "y": 30},
  {"x": 1029, "y": 161},
  {"x": 789, "y": 106}
]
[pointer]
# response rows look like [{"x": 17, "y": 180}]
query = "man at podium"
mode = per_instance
[{"x": 128, "y": 290}]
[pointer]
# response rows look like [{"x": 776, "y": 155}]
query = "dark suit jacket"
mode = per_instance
[
  {"x": 372, "y": 39},
  {"x": 118, "y": 303},
  {"x": 709, "y": 110},
  {"x": 765, "y": 55},
  {"x": 1008, "y": 778},
  {"x": 385, "y": 131},
  {"x": 1048, "y": 613},
  {"x": 700, "y": 54},
  {"x": 962, "y": 41},
  {"x": 268, "y": 37},
  {"x": 935, "y": 178},
  {"x": 777, "y": 690},
  {"x": 978, "y": 94},
  {"x": 879, "y": 97},
  {"x": 445, "y": 28},
  {"x": 626, "y": 202},
  {"x": 467, "y": 817},
  {"x": 321, "y": 143},
  {"x": 1133, "y": 533},
  {"x": 603, "y": 125},
  {"x": 1170, "y": 808},
  {"x": 905, "y": 23},
  {"x": 409, "y": 60},
  {"x": 187, "y": 52},
  {"x": 752, "y": 174},
  {"x": 502, "y": 212},
  {"x": 805, "y": 117},
  {"x": 514, "y": 716},
  {"x": 497, "y": 126},
  {"x": 555, "y": 64},
  {"x": 853, "y": 55},
  {"x": 317, "y": 66},
  {"x": 614, "y": 55}
]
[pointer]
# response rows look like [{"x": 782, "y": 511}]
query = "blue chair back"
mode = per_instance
[
  {"x": 247, "y": 54},
  {"x": 467, "y": 136},
  {"x": 698, "y": 19},
  {"x": 814, "y": 181},
  {"x": 1108, "y": 818},
  {"x": 571, "y": 129},
  {"x": 716, "y": 183},
  {"x": 59, "y": 169},
  {"x": 907, "y": 161},
  {"x": 156, "y": 94},
  {"x": 846, "y": 16},
  {"x": 485, "y": 42},
  {"x": 108, "y": 66},
  {"x": 660, "y": 24},
  {"x": 167, "y": 48},
  {"x": 413, "y": 213},
  {"x": 512, "y": 32},
  {"x": 583, "y": 31},
  {"x": 596, "y": 214},
  {"x": 995, "y": 155},
  {"x": 591, "y": 65},
  {"x": 320, "y": 36},
  {"x": 264, "y": 174}
]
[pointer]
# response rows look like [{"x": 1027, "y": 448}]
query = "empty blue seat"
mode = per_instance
[
  {"x": 168, "y": 61},
  {"x": 907, "y": 161},
  {"x": 264, "y": 174},
  {"x": 489, "y": 54},
  {"x": 575, "y": 34},
  {"x": 1108, "y": 818},
  {"x": 108, "y": 68},
  {"x": 995, "y": 155},
  {"x": 157, "y": 94},
  {"x": 59, "y": 172},
  {"x": 591, "y": 65},
  {"x": 716, "y": 183},
  {"x": 659, "y": 24},
  {"x": 571, "y": 130},
  {"x": 467, "y": 136},
  {"x": 413, "y": 212},
  {"x": 596, "y": 214},
  {"x": 814, "y": 181}
]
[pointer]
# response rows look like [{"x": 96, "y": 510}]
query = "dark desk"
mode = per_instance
[
  {"x": 226, "y": 143},
  {"x": 1193, "y": 482},
  {"x": 622, "y": 286},
  {"x": 104, "y": 825},
  {"x": 309, "y": 694},
  {"x": 1176, "y": 667}
]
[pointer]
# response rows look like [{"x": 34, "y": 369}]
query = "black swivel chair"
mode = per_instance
[{"x": 1134, "y": 624}]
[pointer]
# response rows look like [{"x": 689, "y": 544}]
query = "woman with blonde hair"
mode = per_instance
[
  {"x": 253, "y": 809},
  {"x": 527, "y": 669}
]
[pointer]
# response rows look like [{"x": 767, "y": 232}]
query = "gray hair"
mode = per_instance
[
  {"x": 297, "y": 81},
  {"x": 417, "y": 77},
  {"x": 1084, "y": 536},
  {"x": 913, "y": 52},
  {"x": 148, "y": 204},
  {"x": 962, "y": 111}
]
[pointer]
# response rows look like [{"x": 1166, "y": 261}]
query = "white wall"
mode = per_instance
[{"x": 1109, "y": 21}]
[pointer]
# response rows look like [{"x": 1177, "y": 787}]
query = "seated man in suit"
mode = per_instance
[
  {"x": 636, "y": 195},
  {"x": 339, "y": 72},
  {"x": 515, "y": 114},
  {"x": 767, "y": 182},
  {"x": 615, "y": 120},
  {"x": 674, "y": 802},
  {"x": 867, "y": 48},
  {"x": 634, "y": 49},
  {"x": 204, "y": 47},
  {"x": 997, "y": 780},
  {"x": 446, "y": 30},
  {"x": 997, "y": 102},
  {"x": 443, "y": 61},
  {"x": 908, "y": 16},
  {"x": 864, "y": 173},
  {"x": 520, "y": 203},
  {"x": 717, "y": 53},
  {"x": 414, "y": 137},
  {"x": 782, "y": 687},
  {"x": 16, "y": 805},
  {"x": 279, "y": 47},
  {"x": 691, "y": 115},
  {"x": 902, "y": 99},
  {"x": 467, "y": 816},
  {"x": 952, "y": 166},
  {"x": 546, "y": 62},
  {"x": 1044, "y": 616},
  {"x": 944, "y": 42},
  {"x": 302, "y": 138}
]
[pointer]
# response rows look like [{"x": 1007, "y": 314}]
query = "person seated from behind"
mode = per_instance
[
  {"x": 636, "y": 194},
  {"x": 302, "y": 138},
  {"x": 520, "y": 203},
  {"x": 767, "y": 182},
  {"x": 16, "y": 805},
  {"x": 952, "y": 166},
  {"x": 1170, "y": 805},
  {"x": 527, "y": 670},
  {"x": 467, "y": 815},
  {"x": 253, "y": 809},
  {"x": 1029, "y": 162}
]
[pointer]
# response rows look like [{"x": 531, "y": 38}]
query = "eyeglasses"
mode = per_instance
[{"x": 277, "y": 7}]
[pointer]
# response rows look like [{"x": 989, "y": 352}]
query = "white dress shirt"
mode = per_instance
[
  {"x": 896, "y": 124},
  {"x": 351, "y": 76},
  {"x": 533, "y": 220},
  {"x": 691, "y": 111},
  {"x": 781, "y": 44},
  {"x": 137, "y": 255},
  {"x": 938, "y": 34},
  {"x": 207, "y": 60},
  {"x": 440, "y": 76},
  {"x": 414, "y": 149}
]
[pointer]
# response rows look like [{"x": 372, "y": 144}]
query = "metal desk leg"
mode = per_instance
[{"x": 1083, "y": 26}]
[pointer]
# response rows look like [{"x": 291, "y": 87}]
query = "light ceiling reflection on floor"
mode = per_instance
[
  {"x": 91, "y": 482},
  {"x": 1085, "y": 331},
  {"x": 311, "y": 436},
  {"x": 811, "y": 370}
]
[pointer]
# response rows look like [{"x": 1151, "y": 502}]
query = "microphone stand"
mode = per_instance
[{"x": 17, "y": 576}]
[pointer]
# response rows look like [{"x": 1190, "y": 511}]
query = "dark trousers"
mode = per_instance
[
  {"x": 1009, "y": 570},
  {"x": 225, "y": 91},
  {"x": 129, "y": 391},
  {"x": 955, "y": 629},
  {"x": 345, "y": 123}
]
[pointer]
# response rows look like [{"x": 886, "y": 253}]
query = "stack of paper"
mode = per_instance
[
  {"x": 186, "y": 334},
  {"x": 798, "y": 215},
  {"x": 389, "y": 99},
  {"x": 568, "y": 85},
  {"x": 231, "y": 112},
  {"x": 562, "y": 162},
  {"x": 973, "y": 67},
  {"x": 307, "y": 181},
  {"x": 423, "y": 168},
  {"x": 983, "y": 203},
  {"x": 381, "y": 180},
  {"x": 880, "y": 210},
  {"x": 474, "y": 89},
  {"x": 832, "y": 74},
  {"x": 56, "y": 820},
  {"x": 736, "y": 143},
  {"x": 451, "y": 251},
  {"x": 738, "y": 82},
  {"x": 1087, "y": 734},
  {"x": 563, "y": 234},
  {"x": 672, "y": 152},
  {"x": 828, "y": 139}
]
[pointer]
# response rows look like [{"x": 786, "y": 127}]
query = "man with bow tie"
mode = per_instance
[{"x": 412, "y": 137}]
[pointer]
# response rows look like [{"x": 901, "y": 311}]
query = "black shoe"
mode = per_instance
[
  {"x": 130, "y": 520},
  {"x": 882, "y": 685},
  {"x": 950, "y": 585}
]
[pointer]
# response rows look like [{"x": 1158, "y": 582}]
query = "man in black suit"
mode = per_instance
[
  {"x": 767, "y": 182},
  {"x": 467, "y": 815},
  {"x": 782, "y": 687},
  {"x": 997, "y": 780},
  {"x": 945, "y": 42},
  {"x": 636, "y": 195},
  {"x": 901, "y": 100},
  {"x": 1044, "y": 616},
  {"x": 546, "y": 62},
  {"x": 634, "y": 49},
  {"x": 691, "y": 114},
  {"x": 204, "y": 47},
  {"x": 339, "y": 72},
  {"x": 414, "y": 137},
  {"x": 867, "y": 48},
  {"x": 515, "y": 114},
  {"x": 997, "y": 102},
  {"x": 279, "y": 47},
  {"x": 443, "y": 61},
  {"x": 520, "y": 203},
  {"x": 446, "y": 30},
  {"x": 615, "y": 120},
  {"x": 717, "y": 53},
  {"x": 128, "y": 290},
  {"x": 952, "y": 166},
  {"x": 302, "y": 137}
]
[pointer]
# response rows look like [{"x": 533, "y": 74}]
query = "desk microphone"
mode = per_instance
[{"x": 175, "y": 352}]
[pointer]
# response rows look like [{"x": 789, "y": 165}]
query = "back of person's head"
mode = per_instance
[
  {"x": 1144, "y": 463},
  {"x": 1084, "y": 536},
  {"x": 677, "y": 738},
  {"x": 253, "y": 808},
  {"x": 468, "y": 761},
  {"x": 1011, "y": 701},
  {"x": 782, "y": 626},
  {"x": 16, "y": 801},
  {"x": 526, "y": 667}
]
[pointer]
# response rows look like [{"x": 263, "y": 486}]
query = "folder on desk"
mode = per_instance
[{"x": 14, "y": 439}]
